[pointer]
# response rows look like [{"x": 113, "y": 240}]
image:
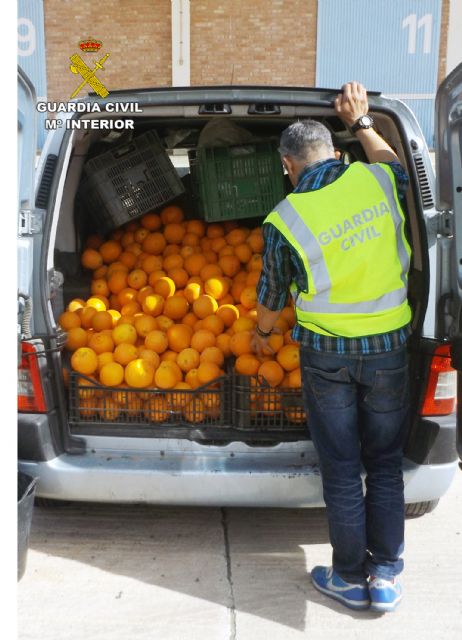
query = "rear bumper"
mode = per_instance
[{"x": 179, "y": 479}]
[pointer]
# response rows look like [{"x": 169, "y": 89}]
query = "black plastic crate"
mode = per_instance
[
  {"x": 94, "y": 404},
  {"x": 129, "y": 180},
  {"x": 260, "y": 407},
  {"x": 238, "y": 181}
]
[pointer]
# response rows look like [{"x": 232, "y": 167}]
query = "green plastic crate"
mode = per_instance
[{"x": 239, "y": 181}]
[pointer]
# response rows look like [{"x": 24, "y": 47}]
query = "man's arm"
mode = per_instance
[{"x": 351, "y": 105}]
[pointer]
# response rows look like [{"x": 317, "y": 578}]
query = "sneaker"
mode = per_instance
[
  {"x": 354, "y": 596},
  {"x": 385, "y": 595}
]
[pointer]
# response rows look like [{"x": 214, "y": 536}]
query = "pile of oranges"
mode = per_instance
[{"x": 171, "y": 299}]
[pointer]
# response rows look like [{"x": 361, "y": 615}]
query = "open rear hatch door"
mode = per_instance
[{"x": 449, "y": 199}]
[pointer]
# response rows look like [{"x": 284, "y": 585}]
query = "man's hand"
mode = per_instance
[{"x": 352, "y": 103}]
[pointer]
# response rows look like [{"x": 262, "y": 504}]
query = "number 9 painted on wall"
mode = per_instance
[{"x": 27, "y": 40}]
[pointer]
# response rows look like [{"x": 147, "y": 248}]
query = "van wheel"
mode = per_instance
[
  {"x": 418, "y": 509},
  {"x": 48, "y": 503}
]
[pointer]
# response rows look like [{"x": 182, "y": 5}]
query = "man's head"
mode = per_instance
[{"x": 302, "y": 143}]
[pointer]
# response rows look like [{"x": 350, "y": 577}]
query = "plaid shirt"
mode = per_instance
[{"x": 282, "y": 265}]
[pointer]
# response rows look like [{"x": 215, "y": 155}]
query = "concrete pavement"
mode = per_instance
[{"x": 107, "y": 572}]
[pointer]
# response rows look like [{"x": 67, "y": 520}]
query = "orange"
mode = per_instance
[
  {"x": 241, "y": 343},
  {"x": 187, "y": 251},
  {"x": 127, "y": 238},
  {"x": 76, "y": 338},
  {"x": 190, "y": 319},
  {"x": 141, "y": 234},
  {"x": 228, "y": 313},
  {"x": 215, "y": 230},
  {"x": 124, "y": 333},
  {"x": 84, "y": 360},
  {"x": 255, "y": 241},
  {"x": 288, "y": 357},
  {"x": 87, "y": 407},
  {"x": 171, "y": 250},
  {"x": 288, "y": 313},
  {"x": 101, "y": 272},
  {"x": 295, "y": 414},
  {"x": 243, "y": 252},
  {"x": 76, "y": 304},
  {"x": 172, "y": 213},
  {"x": 110, "y": 251},
  {"x": 210, "y": 270},
  {"x": 192, "y": 291},
  {"x": 137, "y": 279},
  {"x": 214, "y": 324},
  {"x": 86, "y": 316},
  {"x": 105, "y": 358},
  {"x": 163, "y": 323},
  {"x": 174, "y": 232},
  {"x": 208, "y": 371},
  {"x": 212, "y": 354},
  {"x": 216, "y": 287},
  {"x": 179, "y": 276},
  {"x": 243, "y": 324},
  {"x": 274, "y": 343},
  {"x": 202, "y": 339},
  {"x": 248, "y": 297},
  {"x": 100, "y": 343},
  {"x": 164, "y": 287},
  {"x": 222, "y": 342},
  {"x": 128, "y": 259},
  {"x": 288, "y": 337},
  {"x": 217, "y": 244},
  {"x": 167, "y": 375},
  {"x": 153, "y": 304},
  {"x": 282, "y": 324},
  {"x": 139, "y": 373},
  {"x": 69, "y": 320},
  {"x": 131, "y": 308},
  {"x": 157, "y": 341},
  {"x": 212, "y": 404},
  {"x": 204, "y": 306},
  {"x": 126, "y": 320},
  {"x": 117, "y": 281},
  {"x": 255, "y": 263},
  {"x": 134, "y": 248},
  {"x": 151, "y": 263},
  {"x": 174, "y": 261},
  {"x": 194, "y": 263},
  {"x": 94, "y": 241},
  {"x": 295, "y": 378},
  {"x": 111, "y": 410},
  {"x": 188, "y": 359},
  {"x": 125, "y": 353},
  {"x": 143, "y": 292},
  {"x": 91, "y": 259},
  {"x": 178, "y": 398},
  {"x": 196, "y": 226},
  {"x": 191, "y": 240},
  {"x": 156, "y": 408},
  {"x": 191, "y": 378},
  {"x": 99, "y": 287},
  {"x": 179, "y": 337},
  {"x": 97, "y": 303},
  {"x": 237, "y": 236},
  {"x": 101, "y": 320},
  {"x": 230, "y": 265},
  {"x": 154, "y": 243},
  {"x": 169, "y": 355},
  {"x": 272, "y": 372},
  {"x": 154, "y": 276},
  {"x": 115, "y": 316},
  {"x": 194, "y": 411},
  {"x": 247, "y": 364},
  {"x": 114, "y": 304},
  {"x": 144, "y": 324},
  {"x": 149, "y": 355},
  {"x": 151, "y": 221},
  {"x": 176, "y": 307},
  {"x": 111, "y": 374},
  {"x": 227, "y": 250}
]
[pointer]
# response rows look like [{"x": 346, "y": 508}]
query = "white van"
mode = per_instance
[{"x": 229, "y": 461}]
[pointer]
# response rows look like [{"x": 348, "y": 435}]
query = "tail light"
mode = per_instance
[
  {"x": 31, "y": 397},
  {"x": 441, "y": 394}
]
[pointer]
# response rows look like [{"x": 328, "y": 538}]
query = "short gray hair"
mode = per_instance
[{"x": 303, "y": 138}]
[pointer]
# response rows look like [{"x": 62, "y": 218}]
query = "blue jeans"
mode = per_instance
[{"x": 358, "y": 411}]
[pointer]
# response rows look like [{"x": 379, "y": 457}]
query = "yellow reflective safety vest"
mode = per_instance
[{"x": 350, "y": 238}]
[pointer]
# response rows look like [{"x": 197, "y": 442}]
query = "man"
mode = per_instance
[{"x": 338, "y": 243}]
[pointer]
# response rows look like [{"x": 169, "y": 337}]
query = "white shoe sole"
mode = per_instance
[{"x": 361, "y": 605}]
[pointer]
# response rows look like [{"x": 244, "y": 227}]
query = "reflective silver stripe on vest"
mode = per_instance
[
  {"x": 385, "y": 302},
  {"x": 384, "y": 180},
  {"x": 309, "y": 245}
]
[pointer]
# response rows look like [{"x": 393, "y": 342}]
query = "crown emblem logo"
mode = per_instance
[{"x": 90, "y": 45}]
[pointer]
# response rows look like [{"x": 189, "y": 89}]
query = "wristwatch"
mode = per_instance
[{"x": 364, "y": 122}]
